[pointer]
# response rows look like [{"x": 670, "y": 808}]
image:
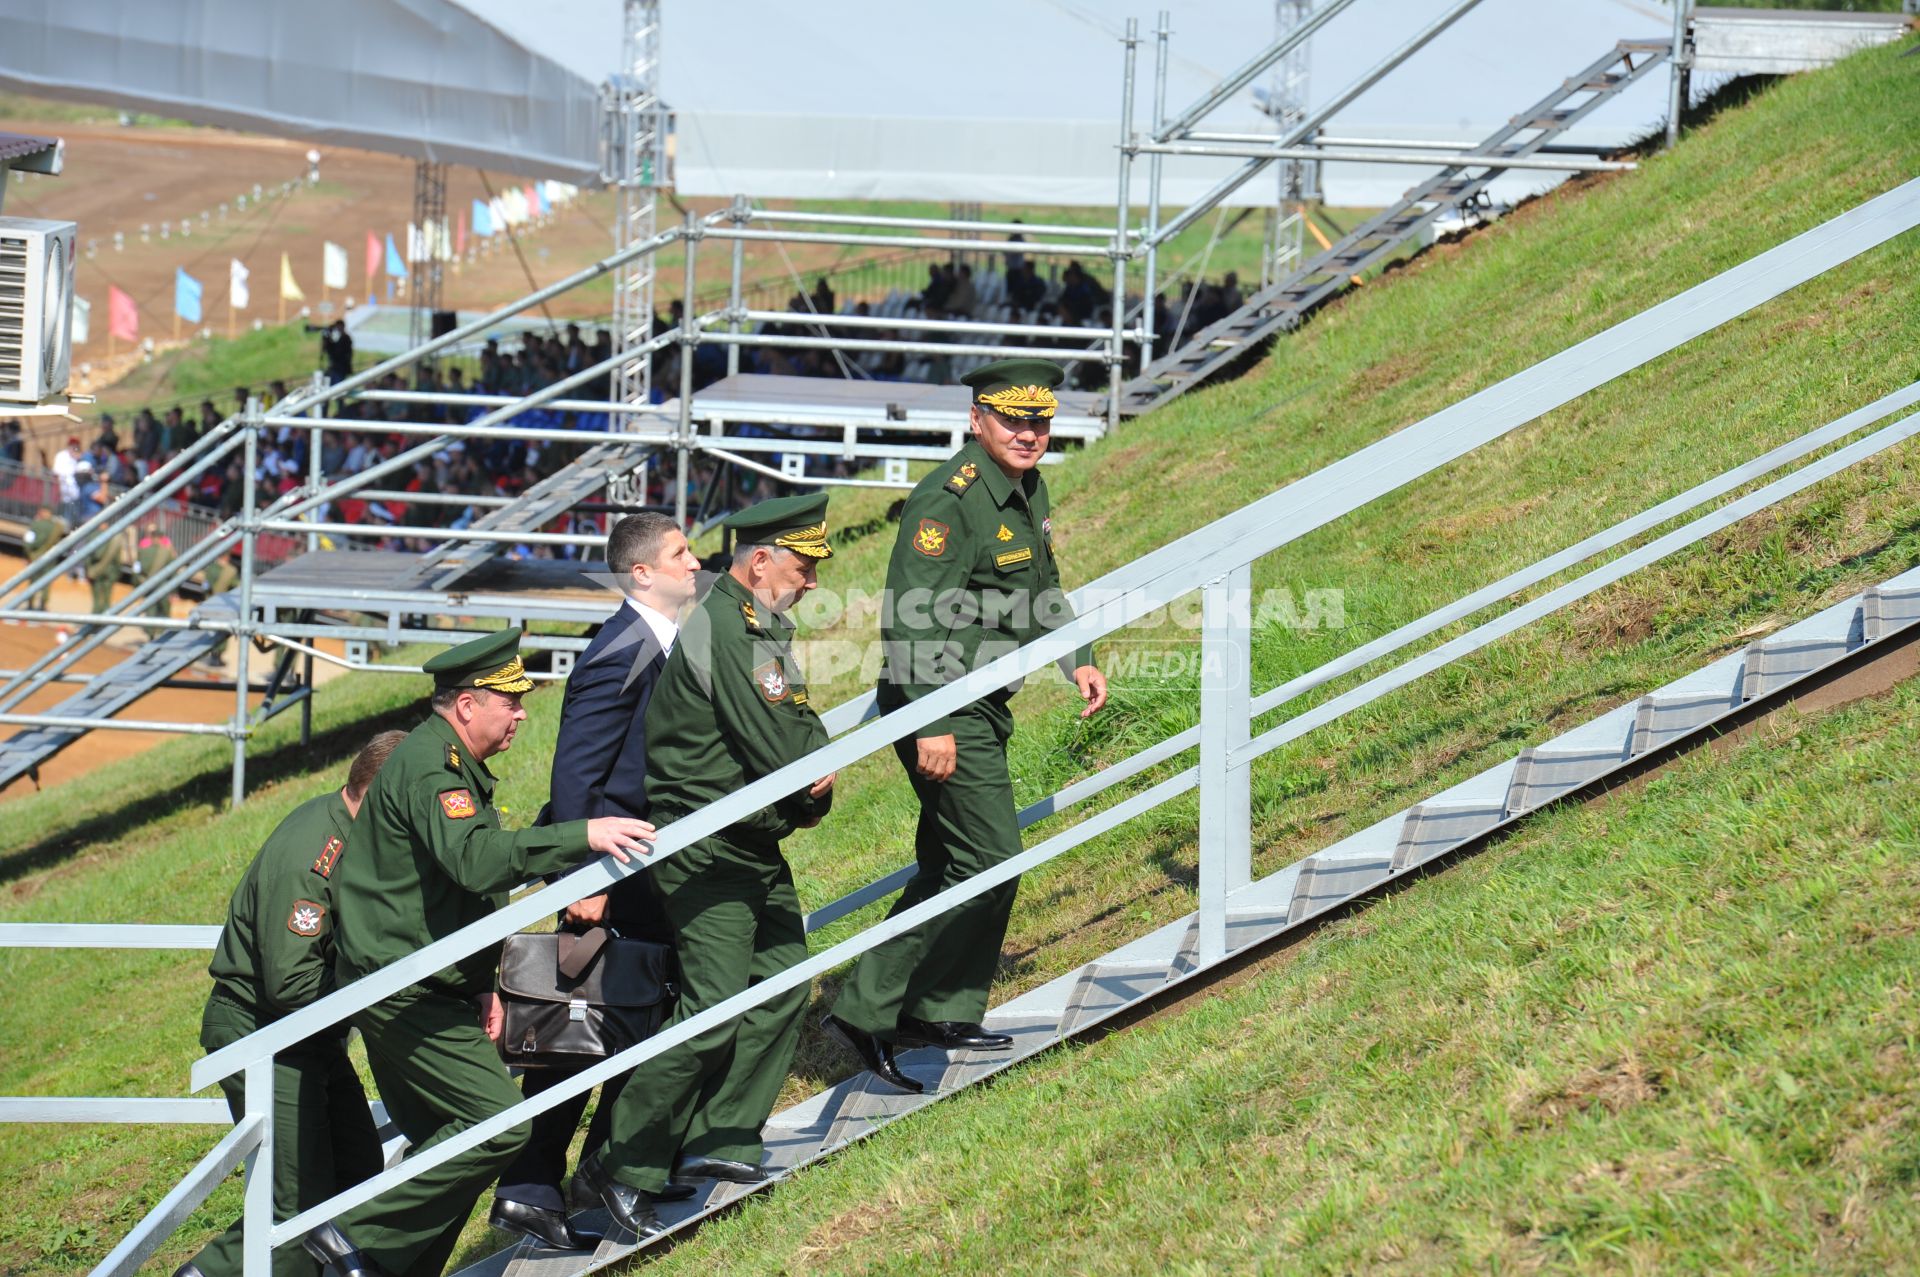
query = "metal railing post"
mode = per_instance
[
  {"x": 315, "y": 474},
  {"x": 1679, "y": 63},
  {"x": 1226, "y": 795},
  {"x": 243, "y": 632},
  {"x": 256, "y": 1250},
  {"x": 1116, "y": 347},
  {"x": 689, "y": 339},
  {"x": 738, "y": 217},
  {"x": 1150, "y": 284}
]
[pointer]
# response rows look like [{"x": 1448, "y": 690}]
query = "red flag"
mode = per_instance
[
  {"x": 123, "y": 317},
  {"x": 460, "y": 237},
  {"x": 373, "y": 256},
  {"x": 533, "y": 202}
]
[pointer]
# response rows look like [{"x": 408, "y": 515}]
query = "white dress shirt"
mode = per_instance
[{"x": 660, "y": 623}]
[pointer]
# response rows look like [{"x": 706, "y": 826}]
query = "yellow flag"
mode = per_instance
[{"x": 289, "y": 291}]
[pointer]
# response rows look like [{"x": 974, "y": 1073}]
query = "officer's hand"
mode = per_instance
[
  {"x": 938, "y": 757},
  {"x": 616, "y": 836},
  {"x": 586, "y": 913},
  {"x": 822, "y": 785},
  {"x": 493, "y": 1016},
  {"x": 1093, "y": 689}
]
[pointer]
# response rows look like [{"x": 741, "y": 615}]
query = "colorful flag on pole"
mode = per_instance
[
  {"x": 395, "y": 267},
  {"x": 460, "y": 237},
  {"x": 533, "y": 201},
  {"x": 81, "y": 328},
  {"x": 373, "y": 258},
  {"x": 333, "y": 266},
  {"x": 237, "y": 293},
  {"x": 123, "y": 317},
  {"x": 289, "y": 290},
  {"x": 186, "y": 296},
  {"x": 482, "y": 218},
  {"x": 540, "y": 193},
  {"x": 497, "y": 211}
]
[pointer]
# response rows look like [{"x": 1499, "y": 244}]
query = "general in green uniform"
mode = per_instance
[
  {"x": 429, "y": 857},
  {"x": 972, "y": 577},
  {"x": 276, "y": 955},
  {"x": 730, "y": 707},
  {"x": 154, "y": 552},
  {"x": 42, "y": 535}
]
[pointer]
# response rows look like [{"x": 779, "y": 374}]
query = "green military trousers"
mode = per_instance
[
  {"x": 439, "y": 1075},
  {"x": 736, "y": 921},
  {"x": 323, "y": 1135},
  {"x": 941, "y": 969}
]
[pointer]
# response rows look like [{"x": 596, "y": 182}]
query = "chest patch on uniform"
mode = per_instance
[
  {"x": 1046, "y": 530},
  {"x": 771, "y": 682},
  {"x": 306, "y": 918},
  {"x": 931, "y": 538},
  {"x": 1004, "y": 534},
  {"x": 453, "y": 757},
  {"x": 963, "y": 478},
  {"x": 1011, "y": 557},
  {"x": 457, "y": 803},
  {"x": 329, "y": 856}
]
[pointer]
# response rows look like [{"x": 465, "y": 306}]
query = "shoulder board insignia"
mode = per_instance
[
  {"x": 329, "y": 856},
  {"x": 453, "y": 757},
  {"x": 800, "y": 698},
  {"x": 930, "y": 538},
  {"x": 1004, "y": 534},
  {"x": 749, "y": 615},
  {"x": 772, "y": 683},
  {"x": 1011, "y": 557},
  {"x": 306, "y": 918},
  {"x": 963, "y": 478},
  {"x": 457, "y": 803}
]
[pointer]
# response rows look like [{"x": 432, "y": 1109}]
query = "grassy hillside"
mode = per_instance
[{"x": 1414, "y": 341}]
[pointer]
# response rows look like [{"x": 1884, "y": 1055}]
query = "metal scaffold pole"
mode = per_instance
[
  {"x": 1679, "y": 65},
  {"x": 738, "y": 216},
  {"x": 243, "y": 632},
  {"x": 1116, "y": 351},
  {"x": 689, "y": 338},
  {"x": 1150, "y": 285},
  {"x": 636, "y": 155},
  {"x": 424, "y": 251}
]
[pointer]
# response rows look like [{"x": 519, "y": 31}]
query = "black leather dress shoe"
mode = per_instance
[
  {"x": 951, "y": 1035},
  {"x": 548, "y": 1227},
  {"x": 875, "y": 1054},
  {"x": 719, "y": 1168},
  {"x": 583, "y": 1198},
  {"x": 188, "y": 1269},
  {"x": 329, "y": 1246},
  {"x": 631, "y": 1208}
]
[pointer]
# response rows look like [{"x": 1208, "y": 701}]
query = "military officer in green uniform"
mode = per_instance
[
  {"x": 104, "y": 564},
  {"x": 154, "y": 552},
  {"x": 220, "y": 576},
  {"x": 42, "y": 535},
  {"x": 972, "y": 577},
  {"x": 429, "y": 857},
  {"x": 730, "y": 707},
  {"x": 276, "y": 955}
]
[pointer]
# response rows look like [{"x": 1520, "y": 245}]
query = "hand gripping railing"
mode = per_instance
[{"x": 1218, "y": 558}]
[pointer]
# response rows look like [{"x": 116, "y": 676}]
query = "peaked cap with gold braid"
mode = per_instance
[
  {"x": 797, "y": 523},
  {"x": 1017, "y": 389},
  {"x": 491, "y": 661}
]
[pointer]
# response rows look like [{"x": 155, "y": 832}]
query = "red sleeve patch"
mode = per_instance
[
  {"x": 457, "y": 803},
  {"x": 931, "y": 538},
  {"x": 306, "y": 918},
  {"x": 329, "y": 856}
]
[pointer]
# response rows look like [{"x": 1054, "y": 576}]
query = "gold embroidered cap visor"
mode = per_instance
[
  {"x": 797, "y": 523},
  {"x": 1017, "y": 389},
  {"x": 491, "y": 661}
]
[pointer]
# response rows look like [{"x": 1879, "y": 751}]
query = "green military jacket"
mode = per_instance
[
  {"x": 104, "y": 562},
  {"x": 276, "y": 951},
  {"x": 731, "y": 707},
  {"x": 220, "y": 577},
  {"x": 972, "y": 576},
  {"x": 43, "y": 535},
  {"x": 154, "y": 554},
  {"x": 429, "y": 857}
]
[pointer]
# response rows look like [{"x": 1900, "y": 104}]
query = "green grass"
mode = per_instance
[{"x": 1417, "y": 339}]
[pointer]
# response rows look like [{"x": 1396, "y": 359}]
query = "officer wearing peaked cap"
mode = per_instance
[
  {"x": 972, "y": 577},
  {"x": 730, "y": 708},
  {"x": 429, "y": 857}
]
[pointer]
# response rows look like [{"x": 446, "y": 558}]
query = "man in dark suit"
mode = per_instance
[{"x": 600, "y": 769}]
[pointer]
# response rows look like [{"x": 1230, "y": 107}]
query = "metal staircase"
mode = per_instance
[
  {"x": 1285, "y": 303},
  {"x": 1402, "y": 843},
  {"x": 162, "y": 657},
  {"x": 548, "y": 499}
]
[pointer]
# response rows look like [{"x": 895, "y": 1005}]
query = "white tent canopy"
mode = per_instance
[
  {"x": 425, "y": 78},
  {"x": 1006, "y": 101}
]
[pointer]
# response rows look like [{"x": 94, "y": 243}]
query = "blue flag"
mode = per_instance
[
  {"x": 186, "y": 296},
  {"x": 540, "y": 193},
  {"x": 482, "y": 218},
  {"x": 396, "y": 268}
]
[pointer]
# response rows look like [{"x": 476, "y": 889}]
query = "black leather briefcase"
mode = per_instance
[{"x": 573, "y": 999}]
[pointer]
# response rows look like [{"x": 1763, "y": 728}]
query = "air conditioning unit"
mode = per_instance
[{"x": 36, "y": 308}]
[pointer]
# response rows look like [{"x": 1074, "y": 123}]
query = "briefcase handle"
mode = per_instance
[{"x": 577, "y": 953}]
